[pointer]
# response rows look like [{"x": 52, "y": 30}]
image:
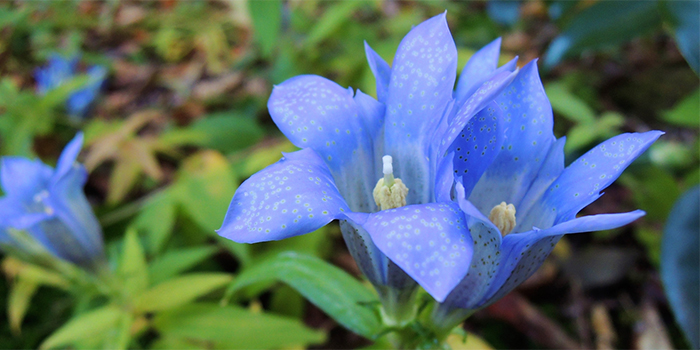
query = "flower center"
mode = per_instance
[
  {"x": 390, "y": 192},
  {"x": 503, "y": 216}
]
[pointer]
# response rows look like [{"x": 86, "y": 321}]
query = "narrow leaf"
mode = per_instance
[
  {"x": 179, "y": 291},
  {"x": 133, "y": 268},
  {"x": 173, "y": 262},
  {"x": 211, "y": 326},
  {"x": 331, "y": 289},
  {"x": 87, "y": 325}
]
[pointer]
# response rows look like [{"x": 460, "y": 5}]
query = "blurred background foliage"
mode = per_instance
[{"x": 181, "y": 120}]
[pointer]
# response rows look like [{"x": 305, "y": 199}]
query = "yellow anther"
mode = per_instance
[
  {"x": 503, "y": 216},
  {"x": 390, "y": 192}
]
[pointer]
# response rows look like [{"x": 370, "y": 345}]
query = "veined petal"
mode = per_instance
[
  {"x": 294, "y": 196},
  {"x": 23, "y": 178},
  {"x": 581, "y": 182},
  {"x": 381, "y": 71},
  {"x": 527, "y": 121},
  {"x": 422, "y": 79},
  {"x": 314, "y": 112},
  {"x": 430, "y": 242},
  {"x": 523, "y": 253},
  {"x": 477, "y": 69},
  {"x": 477, "y": 146}
]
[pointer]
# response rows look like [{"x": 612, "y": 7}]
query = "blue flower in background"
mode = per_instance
[
  {"x": 454, "y": 156},
  {"x": 50, "y": 205},
  {"x": 60, "y": 70}
]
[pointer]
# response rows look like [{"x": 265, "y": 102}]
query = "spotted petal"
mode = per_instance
[
  {"x": 314, "y": 112},
  {"x": 527, "y": 121},
  {"x": 430, "y": 242},
  {"x": 381, "y": 71},
  {"x": 422, "y": 79},
  {"x": 581, "y": 182},
  {"x": 477, "y": 146},
  {"x": 294, "y": 196},
  {"x": 524, "y": 253},
  {"x": 486, "y": 93}
]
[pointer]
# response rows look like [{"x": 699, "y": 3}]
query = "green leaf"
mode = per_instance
[
  {"x": 133, "y": 268},
  {"x": 680, "y": 263},
  {"x": 172, "y": 263},
  {"x": 686, "y": 23},
  {"x": 671, "y": 155},
  {"x": 156, "y": 220},
  {"x": 685, "y": 113},
  {"x": 266, "y": 16},
  {"x": 654, "y": 190},
  {"x": 204, "y": 188},
  {"x": 335, "y": 17},
  {"x": 331, "y": 289},
  {"x": 227, "y": 327},
  {"x": 88, "y": 325},
  {"x": 118, "y": 337},
  {"x": 605, "y": 23},
  {"x": 179, "y": 291},
  {"x": 225, "y": 132},
  {"x": 568, "y": 104},
  {"x": 20, "y": 295}
]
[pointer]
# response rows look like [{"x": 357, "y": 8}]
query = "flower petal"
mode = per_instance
[
  {"x": 314, "y": 112},
  {"x": 67, "y": 159},
  {"x": 381, "y": 71},
  {"x": 477, "y": 146},
  {"x": 422, "y": 79},
  {"x": 523, "y": 253},
  {"x": 477, "y": 69},
  {"x": 23, "y": 178},
  {"x": 371, "y": 113},
  {"x": 486, "y": 93},
  {"x": 430, "y": 242},
  {"x": 485, "y": 261},
  {"x": 370, "y": 260},
  {"x": 526, "y": 218},
  {"x": 68, "y": 203},
  {"x": 527, "y": 121},
  {"x": 581, "y": 182},
  {"x": 294, "y": 196}
]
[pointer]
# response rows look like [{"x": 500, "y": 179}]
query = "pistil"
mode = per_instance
[
  {"x": 503, "y": 216},
  {"x": 390, "y": 192}
]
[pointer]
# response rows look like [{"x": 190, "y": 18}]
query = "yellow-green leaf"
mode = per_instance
[
  {"x": 179, "y": 291},
  {"x": 90, "y": 324}
]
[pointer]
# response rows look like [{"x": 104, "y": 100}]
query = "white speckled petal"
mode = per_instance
[
  {"x": 477, "y": 146},
  {"x": 581, "y": 182},
  {"x": 294, "y": 196},
  {"x": 430, "y": 242},
  {"x": 314, "y": 112},
  {"x": 477, "y": 69},
  {"x": 381, "y": 71},
  {"x": 422, "y": 79},
  {"x": 527, "y": 121},
  {"x": 523, "y": 253}
]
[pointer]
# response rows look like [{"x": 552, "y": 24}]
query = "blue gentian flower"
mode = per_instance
[
  {"x": 448, "y": 157},
  {"x": 60, "y": 70},
  {"x": 50, "y": 205}
]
